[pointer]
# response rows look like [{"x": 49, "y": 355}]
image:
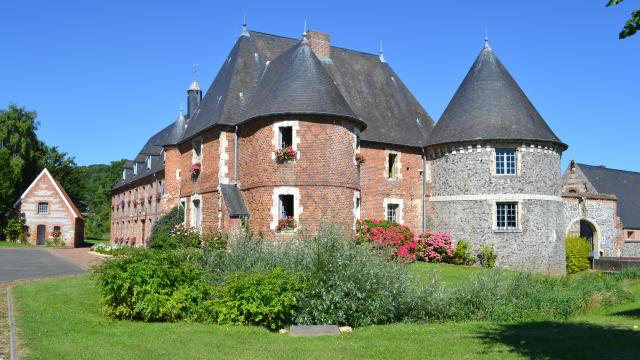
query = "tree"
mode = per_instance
[{"x": 632, "y": 25}]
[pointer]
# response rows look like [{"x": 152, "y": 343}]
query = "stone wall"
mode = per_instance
[
  {"x": 463, "y": 191},
  {"x": 601, "y": 212}
]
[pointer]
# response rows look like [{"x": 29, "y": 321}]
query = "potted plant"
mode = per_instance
[
  {"x": 286, "y": 224},
  {"x": 195, "y": 169},
  {"x": 286, "y": 154}
]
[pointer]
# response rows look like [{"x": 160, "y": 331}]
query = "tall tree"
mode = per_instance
[
  {"x": 20, "y": 152},
  {"x": 632, "y": 25}
]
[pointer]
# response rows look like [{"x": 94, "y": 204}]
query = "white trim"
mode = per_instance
[
  {"x": 223, "y": 169},
  {"x": 55, "y": 184},
  {"x": 496, "y": 197},
  {"x": 275, "y": 209},
  {"x": 357, "y": 210},
  {"x": 192, "y": 212},
  {"x": 399, "y": 214},
  {"x": 295, "y": 140}
]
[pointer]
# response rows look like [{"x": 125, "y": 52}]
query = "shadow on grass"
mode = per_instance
[
  {"x": 556, "y": 340},
  {"x": 634, "y": 313}
]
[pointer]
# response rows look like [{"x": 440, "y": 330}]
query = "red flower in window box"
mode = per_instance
[
  {"x": 136, "y": 202},
  {"x": 195, "y": 169},
  {"x": 286, "y": 224},
  {"x": 286, "y": 154}
]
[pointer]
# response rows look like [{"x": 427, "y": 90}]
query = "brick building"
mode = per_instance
[
  {"x": 47, "y": 209},
  {"x": 295, "y": 131}
]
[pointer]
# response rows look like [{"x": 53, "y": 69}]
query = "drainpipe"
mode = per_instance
[
  {"x": 424, "y": 191},
  {"x": 235, "y": 157}
]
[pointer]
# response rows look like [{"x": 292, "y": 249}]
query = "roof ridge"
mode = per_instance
[
  {"x": 331, "y": 46},
  {"x": 608, "y": 168}
]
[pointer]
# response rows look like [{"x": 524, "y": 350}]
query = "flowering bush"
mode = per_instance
[
  {"x": 434, "y": 247},
  {"x": 288, "y": 223},
  {"x": 286, "y": 154},
  {"x": 195, "y": 169},
  {"x": 387, "y": 236}
]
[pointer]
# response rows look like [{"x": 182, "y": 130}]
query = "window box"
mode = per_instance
[
  {"x": 196, "y": 168},
  {"x": 286, "y": 154},
  {"x": 286, "y": 224}
]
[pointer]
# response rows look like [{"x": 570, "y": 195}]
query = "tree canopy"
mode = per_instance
[{"x": 632, "y": 25}]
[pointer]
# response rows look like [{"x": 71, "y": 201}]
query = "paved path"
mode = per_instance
[
  {"x": 22, "y": 264},
  {"x": 78, "y": 256}
]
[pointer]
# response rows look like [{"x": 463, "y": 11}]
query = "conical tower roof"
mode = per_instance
[
  {"x": 297, "y": 83},
  {"x": 489, "y": 105}
]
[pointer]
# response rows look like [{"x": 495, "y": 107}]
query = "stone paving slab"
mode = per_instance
[
  {"x": 314, "y": 330},
  {"x": 21, "y": 264}
]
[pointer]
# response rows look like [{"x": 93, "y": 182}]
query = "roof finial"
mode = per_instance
[
  {"x": 181, "y": 111},
  {"x": 381, "y": 53},
  {"x": 304, "y": 33},
  {"x": 486, "y": 39},
  {"x": 245, "y": 32}
]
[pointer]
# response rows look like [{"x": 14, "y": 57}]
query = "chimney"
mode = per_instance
[
  {"x": 194, "y": 95},
  {"x": 320, "y": 44}
]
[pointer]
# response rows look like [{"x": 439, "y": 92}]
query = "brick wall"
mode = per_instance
[
  {"x": 58, "y": 215},
  {"x": 376, "y": 186},
  {"x": 325, "y": 174}
]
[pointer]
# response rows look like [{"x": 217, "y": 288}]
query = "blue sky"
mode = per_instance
[{"x": 104, "y": 76}]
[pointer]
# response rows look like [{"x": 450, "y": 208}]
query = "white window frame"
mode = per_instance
[
  {"x": 357, "y": 205},
  {"x": 397, "y": 166},
  {"x": 124, "y": 174},
  {"x": 178, "y": 174},
  {"x": 502, "y": 157},
  {"x": 399, "y": 210},
  {"x": 275, "y": 208},
  {"x": 195, "y": 157},
  {"x": 149, "y": 162},
  {"x": 43, "y": 205},
  {"x": 195, "y": 218},
  {"x": 295, "y": 140},
  {"x": 135, "y": 168},
  {"x": 504, "y": 217},
  {"x": 183, "y": 204}
]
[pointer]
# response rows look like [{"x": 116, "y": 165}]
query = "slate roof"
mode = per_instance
[
  {"x": 489, "y": 105},
  {"x": 625, "y": 185},
  {"x": 349, "y": 84},
  {"x": 234, "y": 200}
]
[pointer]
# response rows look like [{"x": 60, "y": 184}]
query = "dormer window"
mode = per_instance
[
  {"x": 135, "y": 169},
  {"x": 505, "y": 161},
  {"x": 149, "y": 162},
  {"x": 124, "y": 174}
]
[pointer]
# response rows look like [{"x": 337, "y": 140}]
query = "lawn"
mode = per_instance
[
  {"x": 9, "y": 244},
  {"x": 90, "y": 240},
  {"x": 61, "y": 319}
]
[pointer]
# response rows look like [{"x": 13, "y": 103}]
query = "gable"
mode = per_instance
[{"x": 45, "y": 178}]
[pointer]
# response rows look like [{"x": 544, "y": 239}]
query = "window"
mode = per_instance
[
  {"x": 43, "y": 208},
  {"x": 124, "y": 174},
  {"x": 197, "y": 150},
  {"x": 357, "y": 203},
  {"x": 149, "y": 162},
  {"x": 392, "y": 212},
  {"x": 286, "y": 137},
  {"x": 505, "y": 162},
  {"x": 392, "y": 166},
  {"x": 177, "y": 174},
  {"x": 196, "y": 214},
  {"x": 56, "y": 228},
  {"x": 630, "y": 234},
  {"x": 286, "y": 206},
  {"x": 135, "y": 169},
  {"x": 507, "y": 216}
]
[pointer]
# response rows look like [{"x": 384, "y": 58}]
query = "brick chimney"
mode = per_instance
[{"x": 320, "y": 44}]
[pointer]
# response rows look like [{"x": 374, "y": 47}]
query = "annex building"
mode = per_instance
[{"x": 294, "y": 132}]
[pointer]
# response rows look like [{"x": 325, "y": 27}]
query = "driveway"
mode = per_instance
[{"x": 22, "y": 264}]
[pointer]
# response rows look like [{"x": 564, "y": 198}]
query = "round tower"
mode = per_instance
[{"x": 495, "y": 171}]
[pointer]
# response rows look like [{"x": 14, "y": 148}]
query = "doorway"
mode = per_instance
[{"x": 41, "y": 233}]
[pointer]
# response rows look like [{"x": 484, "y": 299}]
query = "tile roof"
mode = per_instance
[
  {"x": 234, "y": 200},
  {"x": 489, "y": 105},
  {"x": 625, "y": 185}
]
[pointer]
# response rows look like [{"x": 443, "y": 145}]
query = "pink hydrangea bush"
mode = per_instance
[{"x": 434, "y": 247}]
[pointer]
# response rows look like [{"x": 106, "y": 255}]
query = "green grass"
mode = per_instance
[
  {"x": 447, "y": 273},
  {"x": 61, "y": 319},
  {"x": 90, "y": 240},
  {"x": 9, "y": 244}
]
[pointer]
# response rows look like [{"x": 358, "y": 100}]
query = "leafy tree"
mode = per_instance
[{"x": 632, "y": 25}]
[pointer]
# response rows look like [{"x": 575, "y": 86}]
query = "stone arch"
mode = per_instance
[{"x": 587, "y": 228}]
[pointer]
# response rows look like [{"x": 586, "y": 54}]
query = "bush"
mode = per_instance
[
  {"x": 154, "y": 285},
  {"x": 387, "y": 237},
  {"x": 487, "y": 256},
  {"x": 266, "y": 299},
  {"x": 16, "y": 229},
  {"x": 161, "y": 236},
  {"x": 462, "y": 255},
  {"x": 577, "y": 254},
  {"x": 434, "y": 247},
  {"x": 214, "y": 240}
]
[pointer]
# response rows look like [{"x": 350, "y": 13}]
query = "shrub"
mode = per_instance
[
  {"x": 214, "y": 240},
  {"x": 266, "y": 299},
  {"x": 487, "y": 256},
  {"x": 462, "y": 255},
  {"x": 577, "y": 254},
  {"x": 16, "y": 229},
  {"x": 162, "y": 236},
  {"x": 154, "y": 285},
  {"x": 434, "y": 247},
  {"x": 387, "y": 237}
]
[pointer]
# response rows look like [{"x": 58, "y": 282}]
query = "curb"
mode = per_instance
[{"x": 13, "y": 344}]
